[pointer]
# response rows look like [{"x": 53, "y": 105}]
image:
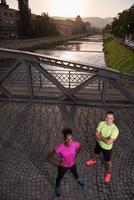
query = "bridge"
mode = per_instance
[
  {"x": 39, "y": 95},
  {"x": 30, "y": 76}
]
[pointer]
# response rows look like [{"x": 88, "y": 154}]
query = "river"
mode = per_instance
[{"x": 87, "y": 50}]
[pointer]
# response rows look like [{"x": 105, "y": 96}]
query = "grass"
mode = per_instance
[{"x": 118, "y": 56}]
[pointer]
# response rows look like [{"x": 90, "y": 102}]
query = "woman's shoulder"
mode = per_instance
[
  {"x": 76, "y": 143},
  {"x": 60, "y": 145}
]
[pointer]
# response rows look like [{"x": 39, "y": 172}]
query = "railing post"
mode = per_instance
[
  {"x": 30, "y": 81},
  {"x": 69, "y": 79},
  {"x": 40, "y": 79},
  {"x": 104, "y": 90},
  {"x": 11, "y": 79},
  {"x": 99, "y": 84}
]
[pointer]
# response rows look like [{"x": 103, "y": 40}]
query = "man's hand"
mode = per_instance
[
  {"x": 107, "y": 140},
  {"x": 98, "y": 136}
]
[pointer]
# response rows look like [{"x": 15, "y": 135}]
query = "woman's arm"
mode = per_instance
[
  {"x": 78, "y": 154},
  {"x": 51, "y": 156}
]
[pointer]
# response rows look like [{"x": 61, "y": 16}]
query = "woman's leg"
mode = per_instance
[
  {"x": 73, "y": 169},
  {"x": 61, "y": 172}
]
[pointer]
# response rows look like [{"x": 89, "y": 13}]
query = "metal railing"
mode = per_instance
[
  {"x": 69, "y": 79},
  {"x": 30, "y": 76}
]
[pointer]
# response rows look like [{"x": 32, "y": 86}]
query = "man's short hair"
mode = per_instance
[{"x": 110, "y": 113}]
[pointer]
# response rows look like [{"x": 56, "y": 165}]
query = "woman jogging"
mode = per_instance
[{"x": 68, "y": 151}]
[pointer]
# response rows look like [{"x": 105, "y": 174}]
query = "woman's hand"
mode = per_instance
[
  {"x": 61, "y": 163},
  {"x": 74, "y": 161},
  {"x": 77, "y": 155},
  {"x": 50, "y": 158}
]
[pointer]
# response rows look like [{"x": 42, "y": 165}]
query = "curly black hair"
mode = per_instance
[{"x": 67, "y": 131}]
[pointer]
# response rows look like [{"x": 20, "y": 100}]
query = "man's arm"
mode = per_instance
[
  {"x": 107, "y": 140},
  {"x": 98, "y": 135}
]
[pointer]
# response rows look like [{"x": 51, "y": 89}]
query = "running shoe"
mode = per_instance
[
  {"x": 90, "y": 162},
  {"x": 108, "y": 177},
  {"x": 80, "y": 182},
  {"x": 57, "y": 191}
]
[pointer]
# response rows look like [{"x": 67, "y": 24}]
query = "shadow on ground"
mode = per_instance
[{"x": 28, "y": 132}]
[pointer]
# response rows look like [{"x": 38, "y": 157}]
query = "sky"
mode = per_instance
[{"x": 72, "y": 8}]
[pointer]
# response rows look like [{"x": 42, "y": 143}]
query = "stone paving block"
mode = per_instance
[{"x": 28, "y": 132}]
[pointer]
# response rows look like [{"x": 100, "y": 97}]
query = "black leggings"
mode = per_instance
[{"x": 62, "y": 171}]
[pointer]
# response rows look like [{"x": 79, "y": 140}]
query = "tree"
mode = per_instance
[
  {"x": 3, "y": 2},
  {"x": 124, "y": 24},
  {"x": 44, "y": 26},
  {"x": 80, "y": 25},
  {"x": 107, "y": 28},
  {"x": 78, "y": 19},
  {"x": 25, "y": 24}
]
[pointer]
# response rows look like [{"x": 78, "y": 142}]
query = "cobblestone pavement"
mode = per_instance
[{"x": 28, "y": 132}]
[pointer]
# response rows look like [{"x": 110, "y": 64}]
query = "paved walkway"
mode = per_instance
[
  {"x": 28, "y": 132},
  {"x": 30, "y": 43}
]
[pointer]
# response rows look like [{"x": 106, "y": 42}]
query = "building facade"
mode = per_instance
[
  {"x": 8, "y": 22},
  {"x": 65, "y": 27}
]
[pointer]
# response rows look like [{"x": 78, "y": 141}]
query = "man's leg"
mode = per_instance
[
  {"x": 61, "y": 173},
  {"x": 109, "y": 167},
  {"x": 97, "y": 151},
  {"x": 107, "y": 157},
  {"x": 73, "y": 169}
]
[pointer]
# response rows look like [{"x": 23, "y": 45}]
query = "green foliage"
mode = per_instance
[
  {"x": 30, "y": 26},
  {"x": 25, "y": 24},
  {"x": 80, "y": 25},
  {"x": 124, "y": 24},
  {"x": 44, "y": 26},
  {"x": 118, "y": 56}
]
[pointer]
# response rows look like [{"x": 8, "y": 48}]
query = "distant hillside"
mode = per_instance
[
  {"x": 94, "y": 21},
  {"x": 98, "y": 21}
]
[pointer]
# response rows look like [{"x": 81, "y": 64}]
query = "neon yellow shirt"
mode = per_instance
[{"x": 107, "y": 131}]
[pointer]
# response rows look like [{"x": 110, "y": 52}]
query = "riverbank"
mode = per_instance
[
  {"x": 118, "y": 56},
  {"x": 38, "y": 43}
]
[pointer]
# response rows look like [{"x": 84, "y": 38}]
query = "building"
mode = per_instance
[
  {"x": 88, "y": 27},
  {"x": 8, "y": 24},
  {"x": 65, "y": 27}
]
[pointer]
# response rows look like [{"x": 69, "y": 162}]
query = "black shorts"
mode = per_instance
[{"x": 106, "y": 153}]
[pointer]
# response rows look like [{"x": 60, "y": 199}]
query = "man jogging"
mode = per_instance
[{"x": 106, "y": 134}]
